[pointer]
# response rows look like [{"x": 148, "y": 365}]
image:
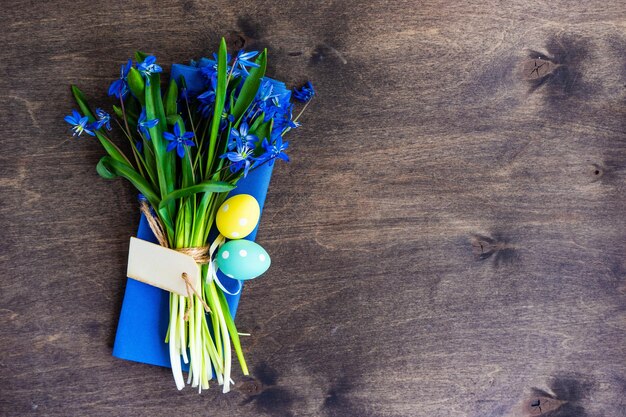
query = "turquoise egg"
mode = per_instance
[{"x": 242, "y": 259}]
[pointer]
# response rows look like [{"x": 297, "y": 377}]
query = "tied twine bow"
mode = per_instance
[{"x": 202, "y": 254}]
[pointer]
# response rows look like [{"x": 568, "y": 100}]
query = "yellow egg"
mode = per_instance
[{"x": 238, "y": 216}]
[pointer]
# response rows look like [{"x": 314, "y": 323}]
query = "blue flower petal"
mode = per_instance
[
  {"x": 180, "y": 149},
  {"x": 170, "y": 146}
]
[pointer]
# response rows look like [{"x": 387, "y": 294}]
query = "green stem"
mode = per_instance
[
  {"x": 138, "y": 158},
  {"x": 302, "y": 111},
  {"x": 225, "y": 338}
]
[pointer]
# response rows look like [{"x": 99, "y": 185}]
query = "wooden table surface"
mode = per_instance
[{"x": 448, "y": 241}]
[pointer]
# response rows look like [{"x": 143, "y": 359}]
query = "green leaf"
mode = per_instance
[
  {"x": 168, "y": 158},
  {"x": 171, "y": 96},
  {"x": 165, "y": 161},
  {"x": 112, "y": 149},
  {"x": 136, "y": 85},
  {"x": 81, "y": 100},
  {"x": 104, "y": 171},
  {"x": 250, "y": 86},
  {"x": 172, "y": 120},
  {"x": 156, "y": 141},
  {"x": 118, "y": 111},
  {"x": 203, "y": 187},
  {"x": 112, "y": 168},
  {"x": 140, "y": 56},
  {"x": 220, "y": 98},
  {"x": 257, "y": 122},
  {"x": 262, "y": 132}
]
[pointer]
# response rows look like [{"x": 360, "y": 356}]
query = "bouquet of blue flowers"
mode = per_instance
[{"x": 188, "y": 148}]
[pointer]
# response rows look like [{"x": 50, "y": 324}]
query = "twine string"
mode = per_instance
[
  {"x": 191, "y": 289},
  {"x": 155, "y": 224}
]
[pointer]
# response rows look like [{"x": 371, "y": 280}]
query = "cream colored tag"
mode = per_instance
[{"x": 162, "y": 267}]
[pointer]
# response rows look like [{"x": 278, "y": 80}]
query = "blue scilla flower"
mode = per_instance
[
  {"x": 305, "y": 93},
  {"x": 242, "y": 135},
  {"x": 243, "y": 60},
  {"x": 178, "y": 140},
  {"x": 266, "y": 91},
  {"x": 272, "y": 98},
  {"x": 285, "y": 121},
  {"x": 277, "y": 107},
  {"x": 209, "y": 71},
  {"x": 272, "y": 90},
  {"x": 79, "y": 124},
  {"x": 149, "y": 66},
  {"x": 273, "y": 150},
  {"x": 207, "y": 99},
  {"x": 143, "y": 124},
  {"x": 290, "y": 122},
  {"x": 226, "y": 120},
  {"x": 104, "y": 119},
  {"x": 240, "y": 157},
  {"x": 119, "y": 87},
  {"x": 208, "y": 67},
  {"x": 279, "y": 87}
]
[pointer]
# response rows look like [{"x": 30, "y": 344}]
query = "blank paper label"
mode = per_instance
[{"x": 162, "y": 267}]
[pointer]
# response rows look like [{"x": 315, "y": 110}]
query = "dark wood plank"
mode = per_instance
[{"x": 448, "y": 241}]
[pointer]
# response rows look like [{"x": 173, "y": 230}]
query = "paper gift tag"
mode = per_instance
[{"x": 162, "y": 267}]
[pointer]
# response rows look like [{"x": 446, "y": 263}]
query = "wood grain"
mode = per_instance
[{"x": 448, "y": 241}]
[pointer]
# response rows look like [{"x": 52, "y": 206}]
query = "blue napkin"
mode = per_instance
[{"x": 144, "y": 316}]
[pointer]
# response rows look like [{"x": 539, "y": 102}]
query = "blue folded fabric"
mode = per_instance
[{"x": 144, "y": 316}]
